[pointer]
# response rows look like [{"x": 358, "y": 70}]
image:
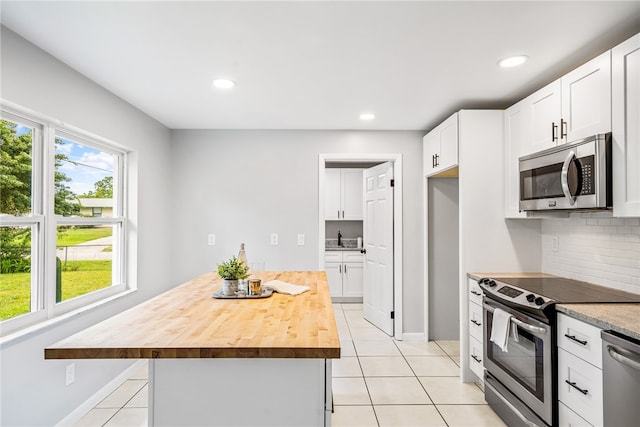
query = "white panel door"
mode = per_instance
[
  {"x": 517, "y": 134},
  {"x": 378, "y": 242}
]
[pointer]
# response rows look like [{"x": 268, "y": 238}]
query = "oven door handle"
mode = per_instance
[
  {"x": 527, "y": 327},
  {"x": 564, "y": 177}
]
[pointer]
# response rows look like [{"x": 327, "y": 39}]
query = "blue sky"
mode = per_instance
[{"x": 86, "y": 165}]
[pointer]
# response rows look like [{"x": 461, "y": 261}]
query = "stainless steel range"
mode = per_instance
[{"x": 521, "y": 383}]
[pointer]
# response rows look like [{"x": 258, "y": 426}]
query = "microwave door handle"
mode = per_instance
[{"x": 564, "y": 178}]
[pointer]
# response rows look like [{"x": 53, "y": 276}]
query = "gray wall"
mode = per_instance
[
  {"x": 444, "y": 321},
  {"x": 33, "y": 392},
  {"x": 245, "y": 185}
]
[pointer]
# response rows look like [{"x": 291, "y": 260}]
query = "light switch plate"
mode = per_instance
[
  {"x": 274, "y": 238},
  {"x": 300, "y": 239},
  {"x": 70, "y": 374},
  {"x": 555, "y": 243}
]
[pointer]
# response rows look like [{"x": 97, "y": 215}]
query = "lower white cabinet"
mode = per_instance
[
  {"x": 345, "y": 273},
  {"x": 579, "y": 373},
  {"x": 476, "y": 328}
]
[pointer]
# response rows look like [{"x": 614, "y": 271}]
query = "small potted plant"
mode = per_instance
[{"x": 231, "y": 271}]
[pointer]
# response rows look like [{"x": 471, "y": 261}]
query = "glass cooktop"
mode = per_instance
[{"x": 566, "y": 291}]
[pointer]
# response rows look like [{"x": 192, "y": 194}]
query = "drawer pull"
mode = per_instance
[
  {"x": 573, "y": 338},
  {"x": 475, "y": 322},
  {"x": 476, "y": 293},
  {"x": 573, "y": 384},
  {"x": 476, "y": 358}
]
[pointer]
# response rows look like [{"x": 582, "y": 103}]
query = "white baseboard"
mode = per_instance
[
  {"x": 414, "y": 336},
  {"x": 99, "y": 396}
]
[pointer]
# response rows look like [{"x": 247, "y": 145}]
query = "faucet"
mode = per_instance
[{"x": 339, "y": 238}]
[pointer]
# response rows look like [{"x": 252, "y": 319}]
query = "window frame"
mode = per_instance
[{"x": 44, "y": 222}]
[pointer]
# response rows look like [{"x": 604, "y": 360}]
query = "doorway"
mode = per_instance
[{"x": 362, "y": 160}]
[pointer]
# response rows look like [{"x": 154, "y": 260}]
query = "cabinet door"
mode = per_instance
[
  {"x": 334, "y": 277},
  {"x": 517, "y": 130},
  {"x": 448, "y": 156},
  {"x": 545, "y": 112},
  {"x": 352, "y": 279},
  {"x": 352, "y": 202},
  {"x": 586, "y": 99},
  {"x": 626, "y": 127},
  {"x": 430, "y": 147},
  {"x": 332, "y": 196}
]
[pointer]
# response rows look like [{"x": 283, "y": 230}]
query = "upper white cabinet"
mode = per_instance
[
  {"x": 440, "y": 147},
  {"x": 573, "y": 107},
  {"x": 586, "y": 100},
  {"x": 625, "y": 67},
  {"x": 343, "y": 194}
]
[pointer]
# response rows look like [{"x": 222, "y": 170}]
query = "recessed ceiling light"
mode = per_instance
[
  {"x": 223, "y": 83},
  {"x": 513, "y": 61},
  {"x": 367, "y": 116}
]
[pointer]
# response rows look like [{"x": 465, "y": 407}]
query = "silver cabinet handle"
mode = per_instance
[
  {"x": 340, "y": 268},
  {"x": 345, "y": 268},
  {"x": 476, "y": 293},
  {"x": 475, "y": 322},
  {"x": 624, "y": 356},
  {"x": 564, "y": 178},
  {"x": 573, "y": 338}
]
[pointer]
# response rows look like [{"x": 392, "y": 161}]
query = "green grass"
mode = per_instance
[
  {"x": 78, "y": 278},
  {"x": 75, "y": 236}
]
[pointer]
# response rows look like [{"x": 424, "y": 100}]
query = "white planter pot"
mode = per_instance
[{"x": 229, "y": 287}]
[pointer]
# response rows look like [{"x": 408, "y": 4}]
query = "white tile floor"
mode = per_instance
[{"x": 378, "y": 382}]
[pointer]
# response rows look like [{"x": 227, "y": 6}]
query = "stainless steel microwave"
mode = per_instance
[{"x": 567, "y": 177}]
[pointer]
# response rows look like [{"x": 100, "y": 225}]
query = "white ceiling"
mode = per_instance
[{"x": 318, "y": 65}]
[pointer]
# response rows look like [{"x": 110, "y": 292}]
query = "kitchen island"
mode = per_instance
[{"x": 225, "y": 362}]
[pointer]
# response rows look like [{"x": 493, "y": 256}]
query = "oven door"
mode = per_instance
[{"x": 526, "y": 368}]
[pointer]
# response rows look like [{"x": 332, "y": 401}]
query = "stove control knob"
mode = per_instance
[
  {"x": 492, "y": 283},
  {"x": 483, "y": 280},
  {"x": 531, "y": 297},
  {"x": 539, "y": 301}
]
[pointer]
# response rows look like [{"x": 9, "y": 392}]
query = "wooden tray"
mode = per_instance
[{"x": 266, "y": 293}]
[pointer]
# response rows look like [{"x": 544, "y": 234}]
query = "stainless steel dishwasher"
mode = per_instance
[{"x": 621, "y": 379}]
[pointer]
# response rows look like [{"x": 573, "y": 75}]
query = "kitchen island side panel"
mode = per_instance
[{"x": 238, "y": 392}]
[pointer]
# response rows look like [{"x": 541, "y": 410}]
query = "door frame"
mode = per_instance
[{"x": 396, "y": 159}]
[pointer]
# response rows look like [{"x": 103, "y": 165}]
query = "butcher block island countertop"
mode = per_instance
[{"x": 187, "y": 322}]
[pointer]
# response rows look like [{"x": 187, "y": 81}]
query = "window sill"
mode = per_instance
[{"x": 40, "y": 327}]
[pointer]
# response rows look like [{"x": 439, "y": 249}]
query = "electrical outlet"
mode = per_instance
[
  {"x": 555, "y": 243},
  {"x": 274, "y": 238},
  {"x": 211, "y": 239},
  {"x": 300, "y": 239},
  {"x": 70, "y": 374}
]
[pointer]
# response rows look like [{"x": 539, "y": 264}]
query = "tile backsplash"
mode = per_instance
[{"x": 595, "y": 248}]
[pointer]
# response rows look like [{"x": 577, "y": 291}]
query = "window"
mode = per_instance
[{"x": 62, "y": 220}]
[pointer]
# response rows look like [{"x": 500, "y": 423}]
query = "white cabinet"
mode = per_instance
[
  {"x": 575, "y": 106},
  {"x": 474, "y": 349},
  {"x": 343, "y": 194},
  {"x": 579, "y": 372},
  {"x": 586, "y": 99},
  {"x": 440, "y": 147},
  {"x": 345, "y": 273},
  {"x": 625, "y": 68}
]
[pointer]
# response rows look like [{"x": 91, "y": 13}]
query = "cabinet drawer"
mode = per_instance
[
  {"x": 333, "y": 256},
  {"x": 588, "y": 378},
  {"x": 351, "y": 256},
  {"x": 568, "y": 418},
  {"x": 580, "y": 338},
  {"x": 475, "y": 321},
  {"x": 475, "y": 358},
  {"x": 475, "y": 293}
]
